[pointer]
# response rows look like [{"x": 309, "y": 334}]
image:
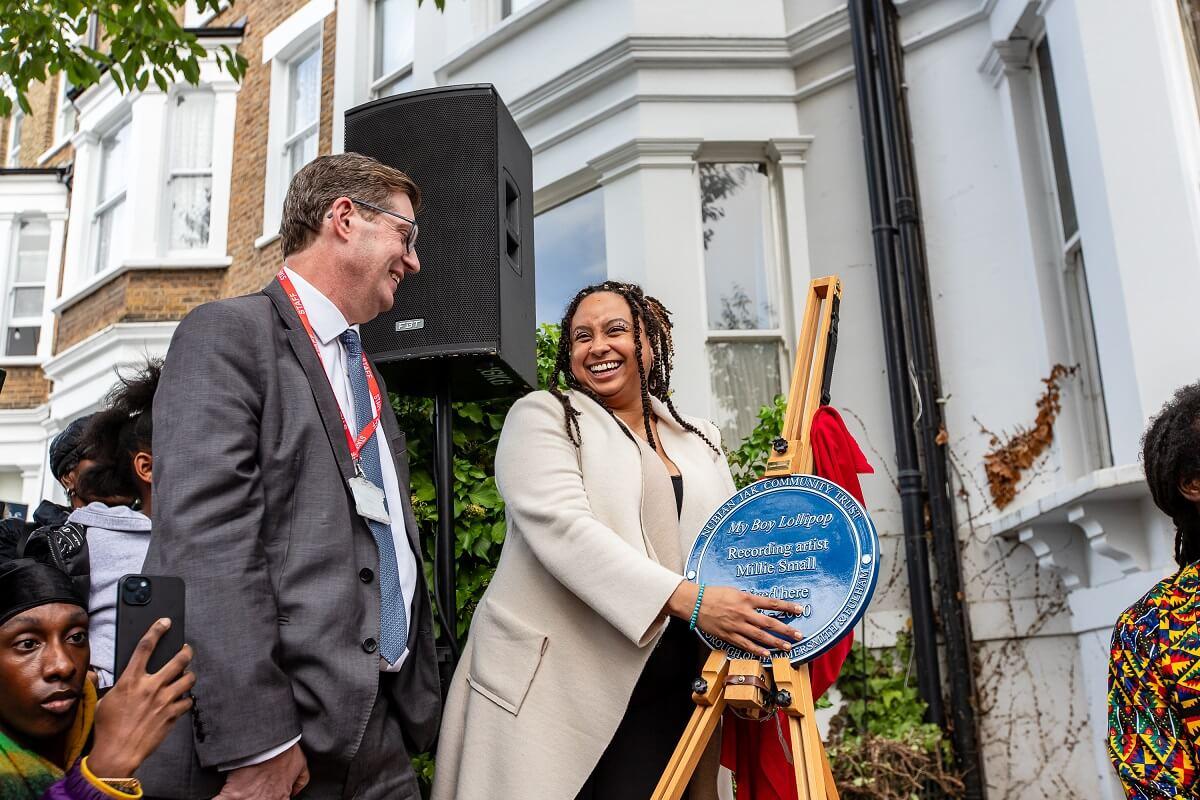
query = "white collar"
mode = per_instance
[{"x": 327, "y": 321}]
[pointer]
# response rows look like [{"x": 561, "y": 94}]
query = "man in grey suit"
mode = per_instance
[{"x": 281, "y": 498}]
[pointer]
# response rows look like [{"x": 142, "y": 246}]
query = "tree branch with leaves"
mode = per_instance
[{"x": 135, "y": 41}]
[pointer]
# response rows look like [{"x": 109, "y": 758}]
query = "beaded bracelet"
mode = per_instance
[{"x": 696, "y": 610}]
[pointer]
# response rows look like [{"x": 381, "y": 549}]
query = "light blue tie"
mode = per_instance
[{"x": 393, "y": 620}]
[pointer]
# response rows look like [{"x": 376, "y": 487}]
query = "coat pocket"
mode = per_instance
[{"x": 506, "y": 653}]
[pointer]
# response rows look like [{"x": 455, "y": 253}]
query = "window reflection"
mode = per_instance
[
  {"x": 744, "y": 377},
  {"x": 569, "y": 252},
  {"x": 738, "y": 247},
  {"x": 742, "y": 291}
]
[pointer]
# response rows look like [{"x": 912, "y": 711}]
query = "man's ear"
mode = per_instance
[
  {"x": 339, "y": 215},
  {"x": 143, "y": 466},
  {"x": 1190, "y": 489}
]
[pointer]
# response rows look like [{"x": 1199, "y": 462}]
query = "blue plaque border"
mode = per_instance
[{"x": 866, "y": 575}]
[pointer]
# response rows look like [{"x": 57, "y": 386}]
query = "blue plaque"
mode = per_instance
[{"x": 800, "y": 538}]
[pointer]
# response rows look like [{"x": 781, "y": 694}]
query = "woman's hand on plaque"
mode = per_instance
[{"x": 733, "y": 615}]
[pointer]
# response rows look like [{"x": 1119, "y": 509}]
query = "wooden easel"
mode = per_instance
[{"x": 745, "y": 684}]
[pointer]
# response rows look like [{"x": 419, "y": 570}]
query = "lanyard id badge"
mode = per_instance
[{"x": 369, "y": 500}]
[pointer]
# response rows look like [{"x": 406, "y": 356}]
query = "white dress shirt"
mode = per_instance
[{"x": 328, "y": 324}]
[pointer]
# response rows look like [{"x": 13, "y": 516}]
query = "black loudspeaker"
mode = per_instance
[{"x": 469, "y": 313}]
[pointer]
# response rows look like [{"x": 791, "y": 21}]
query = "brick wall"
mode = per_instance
[
  {"x": 25, "y": 387},
  {"x": 138, "y": 296},
  {"x": 37, "y": 131},
  {"x": 253, "y": 267}
]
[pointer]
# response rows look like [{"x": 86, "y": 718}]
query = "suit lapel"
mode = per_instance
[{"x": 327, "y": 406}]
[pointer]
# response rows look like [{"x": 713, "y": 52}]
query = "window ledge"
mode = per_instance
[
  {"x": 265, "y": 239},
  {"x": 54, "y": 150},
  {"x": 1093, "y": 523},
  {"x": 400, "y": 72},
  {"x": 744, "y": 334},
  {"x": 129, "y": 265},
  {"x": 20, "y": 361}
]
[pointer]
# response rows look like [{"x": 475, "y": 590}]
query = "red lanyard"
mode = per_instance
[{"x": 355, "y": 442}]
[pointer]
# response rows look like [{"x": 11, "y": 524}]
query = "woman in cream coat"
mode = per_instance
[{"x": 574, "y": 622}]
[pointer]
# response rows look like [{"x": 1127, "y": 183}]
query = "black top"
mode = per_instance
[{"x": 656, "y": 716}]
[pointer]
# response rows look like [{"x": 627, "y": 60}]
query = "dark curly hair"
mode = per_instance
[
  {"x": 1171, "y": 455},
  {"x": 647, "y": 312},
  {"x": 124, "y": 427}
]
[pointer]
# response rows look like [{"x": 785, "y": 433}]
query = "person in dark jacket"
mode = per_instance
[
  {"x": 56, "y": 741},
  {"x": 70, "y": 456}
]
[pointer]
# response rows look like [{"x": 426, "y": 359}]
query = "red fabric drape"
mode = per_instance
[{"x": 759, "y": 752}]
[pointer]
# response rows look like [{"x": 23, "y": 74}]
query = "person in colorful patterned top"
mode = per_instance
[{"x": 1154, "y": 670}]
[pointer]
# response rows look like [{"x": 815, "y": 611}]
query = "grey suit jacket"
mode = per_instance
[{"x": 252, "y": 510}]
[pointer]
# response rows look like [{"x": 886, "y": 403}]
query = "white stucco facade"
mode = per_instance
[
  {"x": 627, "y": 99},
  {"x": 630, "y": 97}
]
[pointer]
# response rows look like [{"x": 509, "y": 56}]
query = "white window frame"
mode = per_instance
[
  {"x": 61, "y": 135},
  {"x": 172, "y": 172},
  {"x": 294, "y": 138},
  {"x": 106, "y": 204},
  {"x": 506, "y": 9},
  {"x": 6, "y": 321},
  {"x": 15, "y": 123},
  {"x": 405, "y": 70},
  {"x": 101, "y": 109},
  {"x": 778, "y": 334},
  {"x": 1089, "y": 403},
  {"x": 292, "y": 38}
]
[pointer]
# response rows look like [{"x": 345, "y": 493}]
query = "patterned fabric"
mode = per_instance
[
  {"x": 1154, "y": 691},
  {"x": 25, "y": 775},
  {"x": 393, "y": 617}
]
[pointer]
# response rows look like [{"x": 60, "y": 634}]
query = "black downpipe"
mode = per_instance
[
  {"x": 964, "y": 732},
  {"x": 883, "y": 232}
]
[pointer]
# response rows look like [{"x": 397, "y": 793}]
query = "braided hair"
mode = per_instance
[
  {"x": 1171, "y": 455},
  {"x": 117, "y": 432},
  {"x": 648, "y": 313}
]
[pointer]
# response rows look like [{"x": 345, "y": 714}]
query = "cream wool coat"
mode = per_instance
[{"x": 593, "y": 551}]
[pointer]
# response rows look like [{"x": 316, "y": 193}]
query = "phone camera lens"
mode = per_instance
[{"x": 136, "y": 591}]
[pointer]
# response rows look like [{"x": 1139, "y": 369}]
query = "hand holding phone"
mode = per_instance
[{"x": 137, "y": 713}]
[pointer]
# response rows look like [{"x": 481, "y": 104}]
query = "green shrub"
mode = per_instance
[{"x": 880, "y": 746}]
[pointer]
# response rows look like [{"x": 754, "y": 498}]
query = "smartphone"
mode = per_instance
[{"x": 141, "y": 600}]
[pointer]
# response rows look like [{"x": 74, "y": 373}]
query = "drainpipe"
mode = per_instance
[
  {"x": 914, "y": 266},
  {"x": 883, "y": 232},
  {"x": 928, "y": 423}
]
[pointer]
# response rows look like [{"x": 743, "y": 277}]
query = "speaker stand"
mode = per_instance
[{"x": 443, "y": 561}]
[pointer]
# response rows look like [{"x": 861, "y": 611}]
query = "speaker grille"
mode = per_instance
[{"x": 448, "y": 145}]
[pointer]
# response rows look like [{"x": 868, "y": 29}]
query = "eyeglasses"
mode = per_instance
[{"x": 410, "y": 241}]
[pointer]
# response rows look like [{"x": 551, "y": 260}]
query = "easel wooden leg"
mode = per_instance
[
  {"x": 831, "y": 792},
  {"x": 710, "y": 704},
  {"x": 814, "y": 778}
]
